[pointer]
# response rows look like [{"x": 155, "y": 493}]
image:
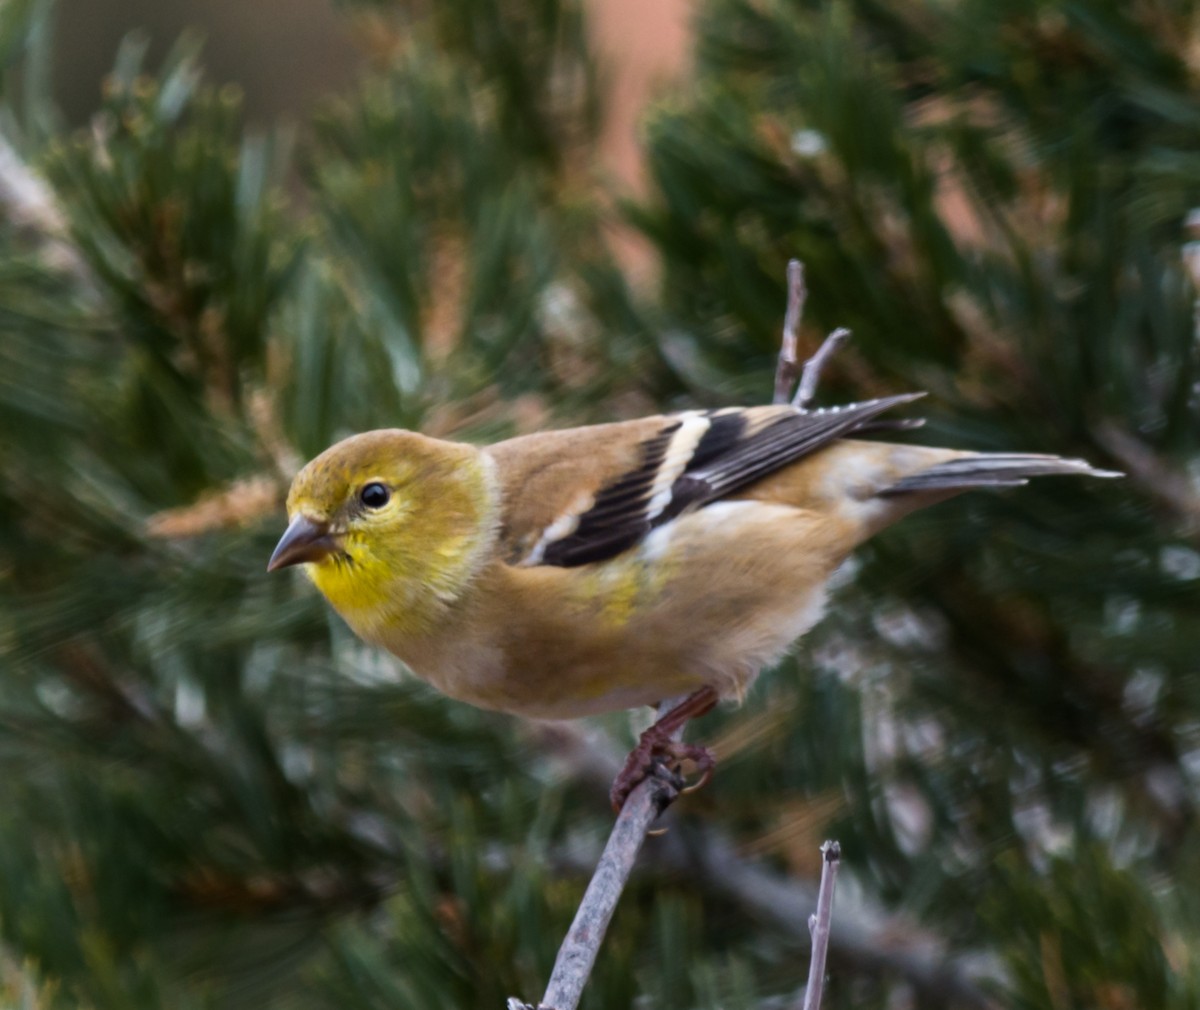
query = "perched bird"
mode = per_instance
[{"x": 573, "y": 572}]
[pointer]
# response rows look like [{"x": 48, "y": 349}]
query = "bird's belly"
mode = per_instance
[
  {"x": 546, "y": 682},
  {"x": 708, "y": 601},
  {"x": 643, "y": 669},
  {"x": 549, "y": 672}
]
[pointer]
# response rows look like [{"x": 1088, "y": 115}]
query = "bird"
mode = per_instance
[{"x": 568, "y": 573}]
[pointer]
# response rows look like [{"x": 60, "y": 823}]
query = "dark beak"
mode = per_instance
[{"x": 304, "y": 540}]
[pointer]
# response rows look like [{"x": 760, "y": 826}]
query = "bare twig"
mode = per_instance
[
  {"x": 578, "y": 952},
  {"x": 649, "y": 799},
  {"x": 820, "y": 924},
  {"x": 871, "y": 939},
  {"x": 813, "y": 367},
  {"x": 788, "y": 367},
  {"x": 577, "y": 955}
]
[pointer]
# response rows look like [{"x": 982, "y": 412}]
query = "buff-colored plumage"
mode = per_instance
[{"x": 574, "y": 572}]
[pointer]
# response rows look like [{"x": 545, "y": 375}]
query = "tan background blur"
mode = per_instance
[{"x": 286, "y": 53}]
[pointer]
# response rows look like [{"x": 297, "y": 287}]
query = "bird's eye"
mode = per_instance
[{"x": 374, "y": 495}]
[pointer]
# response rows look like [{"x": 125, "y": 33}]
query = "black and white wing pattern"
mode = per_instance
[{"x": 672, "y": 464}]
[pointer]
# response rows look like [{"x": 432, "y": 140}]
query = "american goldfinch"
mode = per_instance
[{"x": 573, "y": 572}]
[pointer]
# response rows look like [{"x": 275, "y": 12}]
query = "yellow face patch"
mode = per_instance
[
  {"x": 413, "y": 519},
  {"x": 356, "y": 586}
]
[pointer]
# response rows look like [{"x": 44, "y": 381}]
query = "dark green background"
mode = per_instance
[{"x": 212, "y": 796}]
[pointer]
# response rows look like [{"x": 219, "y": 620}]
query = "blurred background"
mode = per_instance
[
  {"x": 283, "y": 56},
  {"x": 233, "y": 233}
]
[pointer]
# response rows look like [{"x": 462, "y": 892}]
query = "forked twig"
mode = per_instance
[{"x": 788, "y": 368}]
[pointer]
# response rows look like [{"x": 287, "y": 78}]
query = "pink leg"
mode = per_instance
[{"x": 656, "y": 745}]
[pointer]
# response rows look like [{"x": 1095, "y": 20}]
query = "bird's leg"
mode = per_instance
[{"x": 657, "y": 745}]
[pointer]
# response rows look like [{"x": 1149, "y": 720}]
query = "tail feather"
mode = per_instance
[{"x": 992, "y": 470}]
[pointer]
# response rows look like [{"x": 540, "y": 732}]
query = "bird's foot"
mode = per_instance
[{"x": 656, "y": 747}]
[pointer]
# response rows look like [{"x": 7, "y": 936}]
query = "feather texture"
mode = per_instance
[
  {"x": 689, "y": 461},
  {"x": 580, "y": 571},
  {"x": 991, "y": 470}
]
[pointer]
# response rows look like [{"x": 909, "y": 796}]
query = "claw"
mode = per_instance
[
  {"x": 658, "y": 748},
  {"x": 706, "y": 773}
]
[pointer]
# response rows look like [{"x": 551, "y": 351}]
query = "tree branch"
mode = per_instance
[
  {"x": 811, "y": 376},
  {"x": 577, "y": 954},
  {"x": 788, "y": 368}
]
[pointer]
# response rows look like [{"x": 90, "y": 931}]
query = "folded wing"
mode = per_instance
[{"x": 588, "y": 494}]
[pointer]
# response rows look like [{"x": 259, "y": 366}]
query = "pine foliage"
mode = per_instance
[{"x": 211, "y": 796}]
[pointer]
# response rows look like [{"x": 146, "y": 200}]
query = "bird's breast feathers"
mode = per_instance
[{"x": 708, "y": 598}]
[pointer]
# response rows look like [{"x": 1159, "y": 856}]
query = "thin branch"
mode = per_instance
[
  {"x": 788, "y": 367},
  {"x": 871, "y": 939},
  {"x": 578, "y": 952},
  {"x": 821, "y": 923},
  {"x": 813, "y": 367},
  {"x": 577, "y": 955}
]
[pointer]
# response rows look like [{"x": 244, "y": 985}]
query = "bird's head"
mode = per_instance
[{"x": 391, "y": 526}]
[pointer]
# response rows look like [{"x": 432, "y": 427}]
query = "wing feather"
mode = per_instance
[{"x": 583, "y": 495}]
